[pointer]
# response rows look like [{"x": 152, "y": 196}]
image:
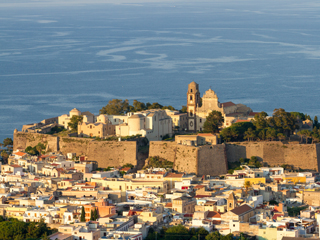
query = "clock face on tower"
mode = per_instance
[{"x": 191, "y": 124}]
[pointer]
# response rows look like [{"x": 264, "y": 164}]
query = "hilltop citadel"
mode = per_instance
[{"x": 126, "y": 176}]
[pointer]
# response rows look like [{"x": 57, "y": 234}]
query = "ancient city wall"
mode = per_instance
[
  {"x": 212, "y": 160},
  {"x": 204, "y": 160},
  {"x": 22, "y": 140},
  {"x": 106, "y": 153},
  {"x": 276, "y": 153}
]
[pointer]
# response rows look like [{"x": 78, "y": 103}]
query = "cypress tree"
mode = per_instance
[
  {"x": 92, "y": 216},
  {"x": 83, "y": 215},
  {"x": 95, "y": 214}
]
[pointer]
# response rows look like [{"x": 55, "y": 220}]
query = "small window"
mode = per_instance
[
  {"x": 190, "y": 97},
  {"x": 200, "y": 120}
]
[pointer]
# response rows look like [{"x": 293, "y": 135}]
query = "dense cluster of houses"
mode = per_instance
[{"x": 66, "y": 191}]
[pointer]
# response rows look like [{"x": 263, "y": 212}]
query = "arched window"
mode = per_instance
[{"x": 191, "y": 97}]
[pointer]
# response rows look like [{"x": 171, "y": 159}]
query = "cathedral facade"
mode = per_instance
[{"x": 199, "y": 108}]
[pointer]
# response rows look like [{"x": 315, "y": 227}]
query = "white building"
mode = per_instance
[{"x": 153, "y": 124}]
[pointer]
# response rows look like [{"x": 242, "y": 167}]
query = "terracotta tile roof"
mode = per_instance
[
  {"x": 59, "y": 169},
  {"x": 216, "y": 222},
  {"x": 242, "y": 121},
  {"x": 276, "y": 216},
  {"x": 199, "y": 187},
  {"x": 205, "y": 134},
  {"x": 253, "y": 113},
  {"x": 20, "y": 154},
  {"x": 174, "y": 175},
  {"x": 168, "y": 205},
  {"x": 125, "y": 169},
  {"x": 53, "y": 157},
  {"x": 242, "y": 209},
  {"x": 227, "y": 104},
  {"x": 15, "y": 165},
  {"x": 213, "y": 214}
]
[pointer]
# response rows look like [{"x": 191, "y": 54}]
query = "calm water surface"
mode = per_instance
[{"x": 56, "y": 56}]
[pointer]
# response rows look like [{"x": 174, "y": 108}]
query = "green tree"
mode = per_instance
[
  {"x": 92, "y": 216},
  {"x": 315, "y": 122},
  {"x": 262, "y": 134},
  {"x": 115, "y": 107},
  {"x": 45, "y": 237},
  {"x": 95, "y": 214},
  {"x": 184, "y": 109},
  {"x": 178, "y": 232},
  {"x": 271, "y": 133},
  {"x": 138, "y": 106},
  {"x": 315, "y": 135},
  {"x": 4, "y": 156},
  {"x": 283, "y": 121},
  {"x": 7, "y": 142},
  {"x": 298, "y": 116},
  {"x": 249, "y": 134},
  {"x": 83, "y": 215},
  {"x": 281, "y": 136},
  {"x": 39, "y": 149},
  {"x": 74, "y": 121},
  {"x": 253, "y": 160},
  {"x": 155, "y": 105},
  {"x": 247, "y": 185},
  {"x": 260, "y": 120},
  {"x": 213, "y": 122}
]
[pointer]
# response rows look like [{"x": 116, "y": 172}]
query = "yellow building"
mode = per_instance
[
  {"x": 16, "y": 212},
  {"x": 150, "y": 216},
  {"x": 294, "y": 179},
  {"x": 267, "y": 233},
  {"x": 255, "y": 180}
]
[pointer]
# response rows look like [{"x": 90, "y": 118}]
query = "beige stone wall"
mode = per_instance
[
  {"x": 276, "y": 153},
  {"x": 311, "y": 198},
  {"x": 204, "y": 160},
  {"x": 212, "y": 160},
  {"x": 106, "y": 153},
  {"x": 22, "y": 140}
]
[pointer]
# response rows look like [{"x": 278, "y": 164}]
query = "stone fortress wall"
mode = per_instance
[
  {"x": 202, "y": 160},
  {"x": 275, "y": 153},
  {"x": 106, "y": 153}
]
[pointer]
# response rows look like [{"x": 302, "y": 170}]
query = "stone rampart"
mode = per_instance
[
  {"x": 203, "y": 160},
  {"x": 106, "y": 153},
  {"x": 22, "y": 140},
  {"x": 275, "y": 153}
]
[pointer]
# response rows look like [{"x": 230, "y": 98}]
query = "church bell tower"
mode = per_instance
[{"x": 193, "y": 99}]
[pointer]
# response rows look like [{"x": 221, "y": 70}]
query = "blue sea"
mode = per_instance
[{"x": 57, "y": 55}]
